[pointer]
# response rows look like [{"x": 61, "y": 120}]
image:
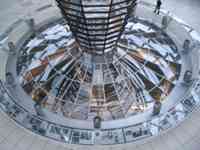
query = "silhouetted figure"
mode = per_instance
[
  {"x": 156, "y": 108},
  {"x": 158, "y": 6},
  {"x": 97, "y": 122}
]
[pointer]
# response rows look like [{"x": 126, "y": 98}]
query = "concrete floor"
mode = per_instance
[{"x": 187, "y": 10}]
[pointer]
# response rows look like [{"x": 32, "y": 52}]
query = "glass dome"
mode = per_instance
[{"x": 60, "y": 77}]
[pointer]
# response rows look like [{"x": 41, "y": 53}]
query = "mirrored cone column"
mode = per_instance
[{"x": 97, "y": 24}]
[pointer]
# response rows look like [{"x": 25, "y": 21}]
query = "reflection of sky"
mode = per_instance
[
  {"x": 195, "y": 35},
  {"x": 162, "y": 48},
  {"x": 195, "y": 96},
  {"x": 35, "y": 42},
  {"x": 180, "y": 114},
  {"x": 154, "y": 128}
]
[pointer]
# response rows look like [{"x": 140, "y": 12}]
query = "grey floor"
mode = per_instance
[
  {"x": 184, "y": 137},
  {"x": 187, "y": 10}
]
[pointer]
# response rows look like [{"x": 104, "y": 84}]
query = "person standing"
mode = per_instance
[{"x": 158, "y": 6}]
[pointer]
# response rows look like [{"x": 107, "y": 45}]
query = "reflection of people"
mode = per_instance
[
  {"x": 10, "y": 79},
  {"x": 12, "y": 47},
  {"x": 157, "y": 108},
  {"x": 97, "y": 122},
  {"x": 186, "y": 45},
  {"x": 39, "y": 96},
  {"x": 187, "y": 76},
  {"x": 158, "y": 6}
]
